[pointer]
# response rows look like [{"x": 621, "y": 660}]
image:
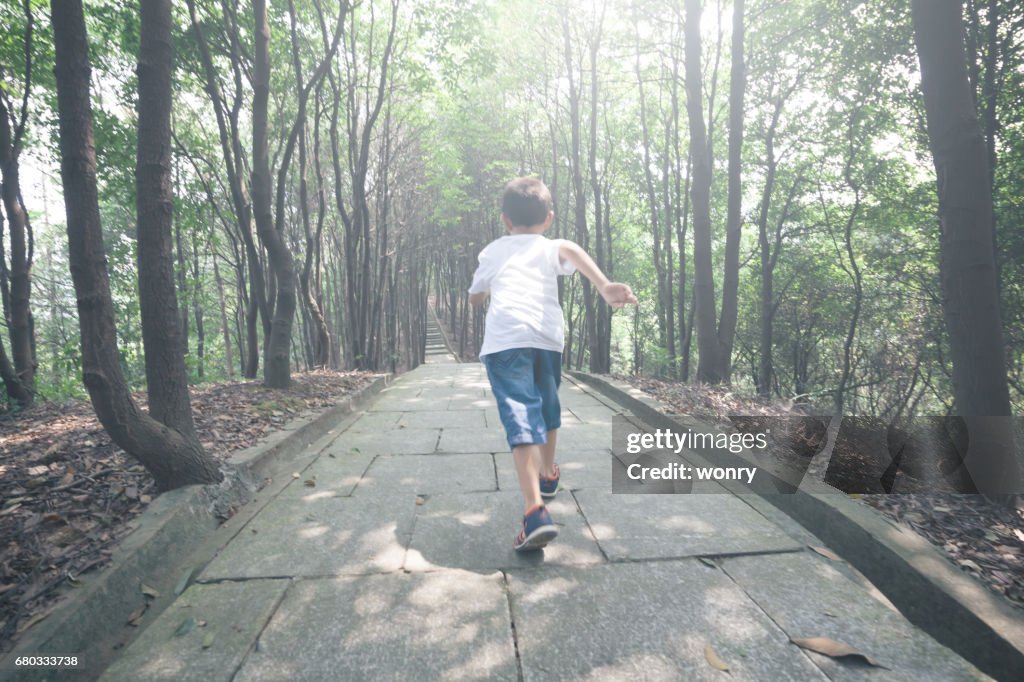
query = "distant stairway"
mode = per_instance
[{"x": 438, "y": 348}]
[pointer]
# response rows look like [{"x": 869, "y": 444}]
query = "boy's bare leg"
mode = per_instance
[
  {"x": 547, "y": 455},
  {"x": 527, "y": 460}
]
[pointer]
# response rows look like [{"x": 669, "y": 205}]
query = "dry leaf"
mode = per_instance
[
  {"x": 310, "y": 482},
  {"x": 833, "y": 649},
  {"x": 295, "y": 474},
  {"x": 420, "y": 501},
  {"x": 713, "y": 660},
  {"x": 136, "y": 616},
  {"x": 149, "y": 591},
  {"x": 145, "y": 499},
  {"x": 827, "y": 553}
]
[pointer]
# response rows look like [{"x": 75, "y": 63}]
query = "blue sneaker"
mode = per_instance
[
  {"x": 549, "y": 486},
  {"x": 538, "y": 530}
]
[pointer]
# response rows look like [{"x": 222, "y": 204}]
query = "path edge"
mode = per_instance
[
  {"x": 173, "y": 524},
  {"x": 929, "y": 591}
]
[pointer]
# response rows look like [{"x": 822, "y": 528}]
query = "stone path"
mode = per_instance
[{"x": 397, "y": 565}]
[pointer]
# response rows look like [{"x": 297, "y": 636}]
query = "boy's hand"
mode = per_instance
[{"x": 618, "y": 294}]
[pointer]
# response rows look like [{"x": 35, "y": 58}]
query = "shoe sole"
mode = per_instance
[
  {"x": 551, "y": 495},
  {"x": 538, "y": 538}
]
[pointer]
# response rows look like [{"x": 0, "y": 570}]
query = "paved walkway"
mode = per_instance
[{"x": 397, "y": 565}]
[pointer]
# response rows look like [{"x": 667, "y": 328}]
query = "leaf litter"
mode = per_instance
[{"x": 69, "y": 496}]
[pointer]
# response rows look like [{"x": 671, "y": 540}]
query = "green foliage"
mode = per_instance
[{"x": 479, "y": 93}]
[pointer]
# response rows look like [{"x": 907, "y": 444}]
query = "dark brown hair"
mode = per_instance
[{"x": 526, "y": 202}]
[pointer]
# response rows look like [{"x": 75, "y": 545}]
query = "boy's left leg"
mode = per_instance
[
  {"x": 547, "y": 455},
  {"x": 548, "y": 377}
]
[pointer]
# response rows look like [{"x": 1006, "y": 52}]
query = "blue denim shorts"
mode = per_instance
[{"x": 525, "y": 384}]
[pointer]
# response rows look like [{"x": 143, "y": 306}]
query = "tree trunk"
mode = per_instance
[
  {"x": 172, "y": 457},
  {"x": 226, "y": 330},
  {"x": 276, "y": 367},
  {"x": 20, "y": 314},
  {"x": 709, "y": 365},
  {"x": 967, "y": 267},
  {"x": 734, "y": 219}
]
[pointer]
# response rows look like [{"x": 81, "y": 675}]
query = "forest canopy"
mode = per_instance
[{"x": 763, "y": 174}]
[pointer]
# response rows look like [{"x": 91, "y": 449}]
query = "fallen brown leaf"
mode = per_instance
[
  {"x": 713, "y": 659},
  {"x": 826, "y": 552},
  {"x": 833, "y": 649}
]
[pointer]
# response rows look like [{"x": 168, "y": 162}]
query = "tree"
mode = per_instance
[
  {"x": 709, "y": 365},
  {"x": 970, "y": 291},
  {"x": 172, "y": 457},
  {"x": 734, "y": 219},
  {"x": 16, "y": 284}
]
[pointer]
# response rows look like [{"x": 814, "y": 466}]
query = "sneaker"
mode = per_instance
[
  {"x": 538, "y": 530},
  {"x": 549, "y": 486}
]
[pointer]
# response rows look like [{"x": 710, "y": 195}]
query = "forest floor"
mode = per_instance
[
  {"x": 68, "y": 495},
  {"x": 982, "y": 538}
]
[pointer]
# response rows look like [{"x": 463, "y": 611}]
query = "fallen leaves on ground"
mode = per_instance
[
  {"x": 68, "y": 495},
  {"x": 981, "y": 537}
]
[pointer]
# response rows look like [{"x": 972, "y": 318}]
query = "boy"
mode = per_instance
[{"x": 523, "y": 340}]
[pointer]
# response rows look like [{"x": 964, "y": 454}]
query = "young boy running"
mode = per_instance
[{"x": 523, "y": 340}]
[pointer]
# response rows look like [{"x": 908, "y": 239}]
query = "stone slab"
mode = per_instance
[
  {"x": 470, "y": 440},
  {"x": 807, "y": 596},
  {"x": 323, "y": 536},
  {"x": 405, "y": 403},
  {"x": 575, "y": 436},
  {"x": 333, "y": 475},
  {"x": 579, "y": 470},
  {"x": 633, "y": 527},
  {"x": 443, "y": 419},
  {"x": 429, "y": 475},
  {"x": 233, "y": 614},
  {"x": 429, "y": 626},
  {"x": 475, "y": 531},
  {"x": 465, "y": 402},
  {"x": 374, "y": 421},
  {"x": 646, "y": 621},
  {"x": 387, "y": 442},
  {"x": 594, "y": 415}
]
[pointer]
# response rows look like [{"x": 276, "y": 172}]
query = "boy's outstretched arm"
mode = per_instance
[
  {"x": 616, "y": 294},
  {"x": 478, "y": 298}
]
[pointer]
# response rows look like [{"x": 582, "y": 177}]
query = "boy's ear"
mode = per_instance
[
  {"x": 508, "y": 223},
  {"x": 550, "y": 218}
]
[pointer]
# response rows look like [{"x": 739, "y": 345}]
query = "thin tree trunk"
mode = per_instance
[
  {"x": 709, "y": 366},
  {"x": 20, "y": 324},
  {"x": 228, "y": 360},
  {"x": 734, "y": 219}
]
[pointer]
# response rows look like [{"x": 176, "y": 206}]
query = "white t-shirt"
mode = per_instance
[{"x": 521, "y": 271}]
